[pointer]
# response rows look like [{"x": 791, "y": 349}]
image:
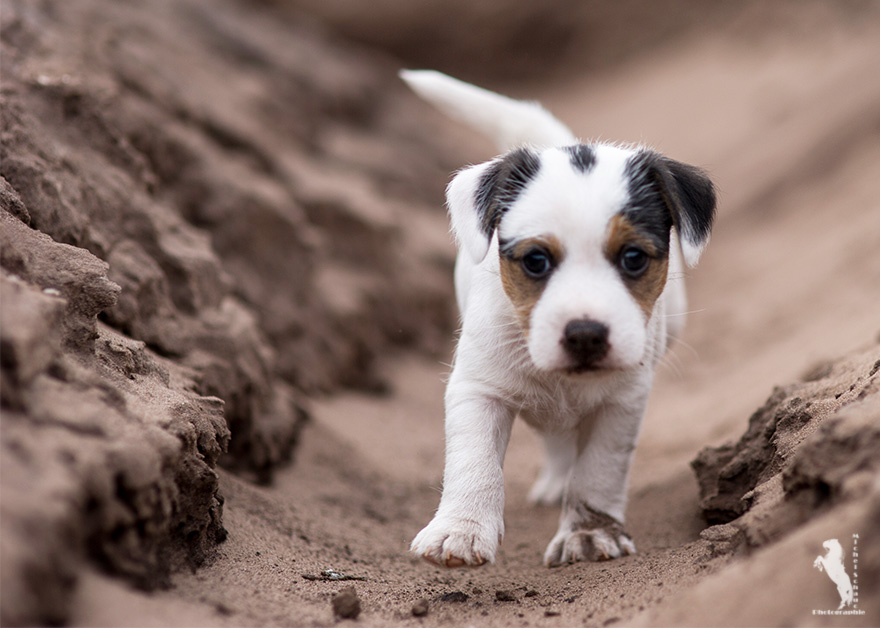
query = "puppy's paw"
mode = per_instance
[
  {"x": 588, "y": 535},
  {"x": 588, "y": 545},
  {"x": 455, "y": 542}
]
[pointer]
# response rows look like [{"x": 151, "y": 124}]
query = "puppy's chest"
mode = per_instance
[{"x": 555, "y": 403}]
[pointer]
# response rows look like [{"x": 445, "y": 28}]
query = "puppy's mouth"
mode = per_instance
[{"x": 581, "y": 369}]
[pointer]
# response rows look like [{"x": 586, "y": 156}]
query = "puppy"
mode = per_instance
[{"x": 568, "y": 284}]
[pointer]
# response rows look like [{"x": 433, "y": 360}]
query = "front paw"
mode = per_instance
[
  {"x": 594, "y": 537},
  {"x": 587, "y": 545},
  {"x": 457, "y": 542}
]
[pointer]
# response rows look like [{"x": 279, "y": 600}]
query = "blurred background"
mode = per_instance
[
  {"x": 780, "y": 102},
  {"x": 507, "y": 39}
]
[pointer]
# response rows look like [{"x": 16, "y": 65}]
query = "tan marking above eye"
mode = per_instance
[{"x": 648, "y": 286}]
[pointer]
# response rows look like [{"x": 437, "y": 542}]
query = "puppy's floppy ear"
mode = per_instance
[
  {"x": 691, "y": 197},
  {"x": 478, "y": 196},
  {"x": 467, "y": 211},
  {"x": 686, "y": 191}
]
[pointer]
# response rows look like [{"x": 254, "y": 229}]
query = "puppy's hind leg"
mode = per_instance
[
  {"x": 560, "y": 452},
  {"x": 591, "y": 523}
]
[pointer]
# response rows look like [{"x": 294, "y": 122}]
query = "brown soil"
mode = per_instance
[{"x": 782, "y": 107}]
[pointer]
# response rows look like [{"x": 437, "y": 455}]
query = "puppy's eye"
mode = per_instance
[
  {"x": 634, "y": 261},
  {"x": 537, "y": 263}
]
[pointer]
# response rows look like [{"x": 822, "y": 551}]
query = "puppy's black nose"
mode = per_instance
[{"x": 585, "y": 341}]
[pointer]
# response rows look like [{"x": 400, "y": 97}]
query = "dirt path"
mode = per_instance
[
  {"x": 787, "y": 125},
  {"x": 345, "y": 507}
]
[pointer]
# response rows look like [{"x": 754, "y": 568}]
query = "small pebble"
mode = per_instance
[
  {"x": 420, "y": 608},
  {"x": 455, "y": 596},
  {"x": 346, "y": 604},
  {"x": 505, "y": 596}
]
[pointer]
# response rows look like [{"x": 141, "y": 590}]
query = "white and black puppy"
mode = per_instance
[{"x": 568, "y": 283}]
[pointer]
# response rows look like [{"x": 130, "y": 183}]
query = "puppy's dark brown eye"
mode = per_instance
[
  {"x": 537, "y": 263},
  {"x": 634, "y": 261}
]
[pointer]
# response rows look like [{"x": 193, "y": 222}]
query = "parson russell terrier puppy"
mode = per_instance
[{"x": 568, "y": 281}]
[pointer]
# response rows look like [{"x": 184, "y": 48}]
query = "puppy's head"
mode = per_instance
[{"x": 583, "y": 242}]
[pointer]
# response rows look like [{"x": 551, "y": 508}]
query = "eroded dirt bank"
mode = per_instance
[{"x": 200, "y": 228}]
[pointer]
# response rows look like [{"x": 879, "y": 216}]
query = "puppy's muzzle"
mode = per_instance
[{"x": 586, "y": 343}]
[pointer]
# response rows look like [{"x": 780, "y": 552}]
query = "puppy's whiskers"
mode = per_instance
[
  {"x": 684, "y": 313},
  {"x": 688, "y": 346},
  {"x": 671, "y": 361},
  {"x": 503, "y": 325}
]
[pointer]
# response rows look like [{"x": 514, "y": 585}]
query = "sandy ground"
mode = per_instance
[{"x": 787, "y": 125}]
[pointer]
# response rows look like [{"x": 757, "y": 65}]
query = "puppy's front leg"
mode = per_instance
[
  {"x": 469, "y": 522},
  {"x": 591, "y": 523}
]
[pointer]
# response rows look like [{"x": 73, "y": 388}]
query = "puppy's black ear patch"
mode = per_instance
[
  {"x": 501, "y": 185},
  {"x": 687, "y": 192},
  {"x": 486, "y": 194},
  {"x": 695, "y": 196},
  {"x": 478, "y": 197}
]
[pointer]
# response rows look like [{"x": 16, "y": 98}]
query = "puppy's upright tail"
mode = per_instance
[{"x": 508, "y": 122}]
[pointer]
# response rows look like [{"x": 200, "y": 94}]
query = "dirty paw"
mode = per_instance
[
  {"x": 603, "y": 543},
  {"x": 457, "y": 542}
]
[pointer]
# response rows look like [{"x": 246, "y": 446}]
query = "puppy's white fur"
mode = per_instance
[
  {"x": 590, "y": 419},
  {"x": 508, "y": 122}
]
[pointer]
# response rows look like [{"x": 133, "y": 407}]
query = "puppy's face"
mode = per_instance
[{"x": 583, "y": 244}]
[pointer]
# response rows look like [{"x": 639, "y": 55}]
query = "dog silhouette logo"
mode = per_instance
[{"x": 832, "y": 564}]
